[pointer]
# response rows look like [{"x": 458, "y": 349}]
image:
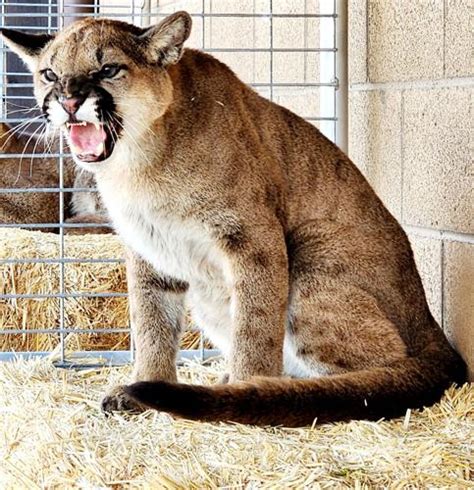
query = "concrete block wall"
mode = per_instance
[{"x": 411, "y": 91}]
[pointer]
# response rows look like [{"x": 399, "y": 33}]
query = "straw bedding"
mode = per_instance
[
  {"x": 43, "y": 278},
  {"x": 52, "y": 435}
]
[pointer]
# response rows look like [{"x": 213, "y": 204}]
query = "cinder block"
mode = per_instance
[
  {"x": 303, "y": 101},
  {"x": 195, "y": 38},
  {"x": 296, "y": 32},
  {"x": 427, "y": 253},
  {"x": 358, "y": 123},
  {"x": 459, "y": 299},
  {"x": 405, "y": 40},
  {"x": 120, "y": 10},
  {"x": 357, "y": 41},
  {"x": 438, "y": 183},
  {"x": 167, "y": 6},
  {"x": 459, "y": 59},
  {"x": 295, "y": 6},
  {"x": 233, "y": 7},
  {"x": 296, "y": 67},
  {"x": 250, "y": 67},
  {"x": 375, "y": 142},
  {"x": 237, "y": 32}
]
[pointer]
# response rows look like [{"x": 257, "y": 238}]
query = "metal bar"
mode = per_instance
[
  {"x": 16, "y": 74},
  {"x": 203, "y": 41},
  {"x": 62, "y": 295},
  {"x": 275, "y": 84},
  {"x": 59, "y": 226},
  {"x": 34, "y": 155},
  {"x": 279, "y": 84},
  {"x": 3, "y": 59},
  {"x": 109, "y": 358},
  {"x": 271, "y": 51},
  {"x": 51, "y": 190},
  {"x": 342, "y": 99},
  {"x": 326, "y": 69},
  {"x": 17, "y": 97},
  {"x": 58, "y": 261},
  {"x": 210, "y": 15},
  {"x": 79, "y": 331},
  {"x": 18, "y": 85}
]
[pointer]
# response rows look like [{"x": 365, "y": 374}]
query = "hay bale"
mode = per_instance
[{"x": 44, "y": 278}]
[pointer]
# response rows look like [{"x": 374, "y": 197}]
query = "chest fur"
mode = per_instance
[{"x": 178, "y": 248}]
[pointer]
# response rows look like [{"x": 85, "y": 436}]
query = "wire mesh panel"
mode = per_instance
[{"x": 63, "y": 288}]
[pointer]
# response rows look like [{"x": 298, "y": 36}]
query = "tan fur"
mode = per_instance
[
  {"x": 43, "y": 207},
  {"x": 285, "y": 255},
  {"x": 28, "y": 173}
]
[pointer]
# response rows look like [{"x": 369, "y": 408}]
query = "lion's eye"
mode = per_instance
[
  {"x": 109, "y": 71},
  {"x": 49, "y": 75}
]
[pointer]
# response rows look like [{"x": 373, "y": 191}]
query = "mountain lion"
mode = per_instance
[
  {"x": 245, "y": 213},
  {"x": 38, "y": 172}
]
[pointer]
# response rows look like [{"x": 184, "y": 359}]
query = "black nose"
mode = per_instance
[
  {"x": 75, "y": 90},
  {"x": 71, "y": 104}
]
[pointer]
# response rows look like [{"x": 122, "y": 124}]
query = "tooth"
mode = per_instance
[
  {"x": 75, "y": 148},
  {"x": 97, "y": 126},
  {"x": 99, "y": 149}
]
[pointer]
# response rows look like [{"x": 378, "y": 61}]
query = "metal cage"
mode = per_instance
[{"x": 290, "y": 51}]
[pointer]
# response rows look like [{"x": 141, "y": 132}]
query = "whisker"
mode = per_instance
[
  {"x": 50, "y": 137},
  {"x": 19, "y": 130},
  {"x": 141, "y": 125},
  {"x": 133, "y": 140},
  {"x": 38, "y": 139},
  {"x": 22, "y": 106},
  {"x": 25, "y": 111},
  {"x": 23, "y": 153}
]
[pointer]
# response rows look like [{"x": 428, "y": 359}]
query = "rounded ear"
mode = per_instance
[
  {"x": 164, "y": 42},
  {"x": 27, "y": 46}
]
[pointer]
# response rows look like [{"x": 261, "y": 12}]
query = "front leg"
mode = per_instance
[
  {"x": 259, "y": 270},
  {"x": 156, "y": 311}
]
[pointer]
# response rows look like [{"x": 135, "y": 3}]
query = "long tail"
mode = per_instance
[{"x": 384, "y": 392}]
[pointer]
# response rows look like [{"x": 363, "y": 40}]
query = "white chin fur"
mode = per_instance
[{"x": 57, "y": 115}]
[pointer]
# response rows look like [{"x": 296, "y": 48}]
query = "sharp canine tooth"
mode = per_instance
[
  {"x": 99, "y": 149},
  {"x": 75, "y": 149},
  {"x": 97, "y": 126}
]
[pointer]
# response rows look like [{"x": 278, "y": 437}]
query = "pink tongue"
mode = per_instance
[{"x": 87, "y": 139}]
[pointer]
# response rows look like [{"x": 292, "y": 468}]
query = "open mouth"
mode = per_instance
[{"x": 90, "y": 142}]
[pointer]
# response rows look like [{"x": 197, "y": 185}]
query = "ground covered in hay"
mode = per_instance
[{"x": 52, "y": 435}]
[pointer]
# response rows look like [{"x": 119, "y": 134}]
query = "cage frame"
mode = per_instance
[{"x": 332, "y": 59}]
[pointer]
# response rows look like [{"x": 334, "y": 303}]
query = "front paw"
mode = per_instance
[{"x": 117, "y": 400}]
